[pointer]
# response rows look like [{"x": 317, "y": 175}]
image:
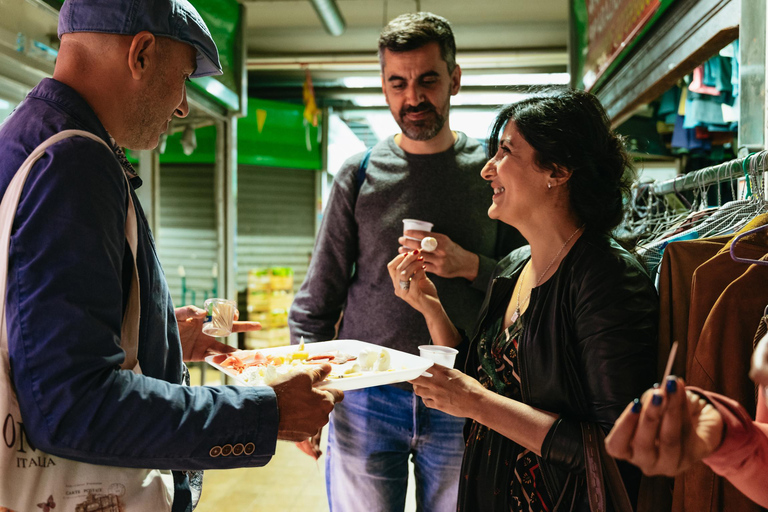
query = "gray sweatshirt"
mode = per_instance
[{"x": 358, "y": 237}]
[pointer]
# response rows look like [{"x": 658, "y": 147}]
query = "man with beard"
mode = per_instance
[
  {"x": 426, "y": 172},
  {"x": 91, "y": 344}
]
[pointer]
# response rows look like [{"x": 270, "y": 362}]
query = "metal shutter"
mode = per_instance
[
  {"x": 275, "y": 220},
  {"x": 187, "y": 228}
]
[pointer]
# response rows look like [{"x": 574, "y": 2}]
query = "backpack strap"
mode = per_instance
[
  {"x": 361, "y": 170},
  {"x": 129, "y": 334}
]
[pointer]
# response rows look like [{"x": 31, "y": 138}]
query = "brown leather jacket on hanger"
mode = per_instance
[
  {"x": 721, "y": 364},
  {"x": 675, "y": 274},
  {"x": 685, "y": 305},
  {"x": 727, "y": 301}
]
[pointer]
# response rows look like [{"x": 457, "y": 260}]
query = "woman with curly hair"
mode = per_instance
[{"x": 567, "y": 335}]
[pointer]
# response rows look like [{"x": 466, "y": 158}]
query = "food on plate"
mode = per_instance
[
  {"x": 331, "y": 357},
  {"x": 376, "y": 360},
  {"x": 300, "y": 354},
  {"x": 382, "y": 362},
  {"x": 367, "y": 358},
  {"x": 255, "y": 368},
  {"x": 264, "y": 375}
]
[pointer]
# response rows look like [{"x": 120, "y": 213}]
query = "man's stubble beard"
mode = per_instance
[
  {"x": 423, "y": 130},
  {"x": 143, "y": 124}
]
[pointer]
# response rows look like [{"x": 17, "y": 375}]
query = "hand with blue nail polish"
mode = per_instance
[{"x": 667, "y": 430}]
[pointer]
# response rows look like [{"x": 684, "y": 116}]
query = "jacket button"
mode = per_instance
[
  {"x": 249, "y": 448},
  {"x": 215, "y": 451},
  {"x": 238, "y": 449},
  {"x": 226, "y": 449}
]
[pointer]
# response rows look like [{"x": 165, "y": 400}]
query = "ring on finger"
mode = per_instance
[{"x": 405, "y": 285}]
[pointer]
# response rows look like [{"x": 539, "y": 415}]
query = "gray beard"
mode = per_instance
[
  {"x": 426, "y": 129},
  {"x": 423, "y": 130}
]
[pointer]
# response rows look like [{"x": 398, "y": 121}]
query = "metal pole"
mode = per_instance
[
  {"x": 752, "y": 44},
  {"x": 148, "y": 193},
  {"x": 329, "y": 14}
]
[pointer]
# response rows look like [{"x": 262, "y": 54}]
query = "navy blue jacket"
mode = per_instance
[{"x": 68, "y": 282}]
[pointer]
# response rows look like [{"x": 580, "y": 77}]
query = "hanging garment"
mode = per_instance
[
  {"x": 717, "y": 74},
  {"x": 675, "y": 274},
  {"x": 711, "y": 278},
  {"x": 721, "y": 364},
  {"x": 704, "y": 110},
  {"x": 697, "y": 84},
  {"x": 685, "y": 138},
  {"x": 668, "y": 105}
]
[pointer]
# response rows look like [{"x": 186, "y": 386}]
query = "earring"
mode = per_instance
[{"x": 549, "y": 185}]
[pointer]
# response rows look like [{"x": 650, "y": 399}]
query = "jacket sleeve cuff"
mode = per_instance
[
  {"x": 563, "y": 446},
  {"x": 742, "y": 440},
  {"x": 485, "y": 268},
  {"x": 463, "y": 348}
]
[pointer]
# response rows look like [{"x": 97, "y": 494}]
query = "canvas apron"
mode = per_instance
[{"x": 31, "y": 479}]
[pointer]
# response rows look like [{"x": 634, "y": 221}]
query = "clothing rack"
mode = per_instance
[{"x": 754, "y": 164}]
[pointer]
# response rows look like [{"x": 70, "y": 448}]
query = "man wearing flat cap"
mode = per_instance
[{"x": 78, "y": 267}]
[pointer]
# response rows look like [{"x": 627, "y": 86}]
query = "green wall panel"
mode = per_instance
[
  {"x": 223, "y": 20},
  {"x": 274, "y": 134},
  {"x": 204, "y": 153}
]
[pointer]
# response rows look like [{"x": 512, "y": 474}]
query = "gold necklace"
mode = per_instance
[{"x": 516, "y": 314}]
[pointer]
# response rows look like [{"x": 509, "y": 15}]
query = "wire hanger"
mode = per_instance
[
  {"x": 757, "y": 190},
  {"x": 736, "y": 241}
]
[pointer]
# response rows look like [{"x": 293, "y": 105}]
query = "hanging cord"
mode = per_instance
[
  {"x": 730, "y": 179},
  {"x": 760, "y": 175},
  {"x": 747, "y": 176},
  {"x": 717, "y": 181},
  {"x": 680, "y": 196}
]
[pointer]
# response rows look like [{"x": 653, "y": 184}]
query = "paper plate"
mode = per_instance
[{"x": 403, "y": 366}]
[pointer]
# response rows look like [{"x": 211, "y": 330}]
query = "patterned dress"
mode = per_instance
[{"x": 498, "y": 474}]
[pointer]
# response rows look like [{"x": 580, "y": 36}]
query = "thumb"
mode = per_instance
[
  {"x": 192, "y": 313},
  {"x": 319, "y": 373},
  {"x": 221, "y": 348}
]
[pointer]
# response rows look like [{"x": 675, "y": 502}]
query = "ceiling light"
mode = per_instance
[
  {"x": 162, "y": 142},
  {"x": 490, "y": 98},
  {"x": 329, "y": 14},
  {"x": 361, "y": 82},
  {"x": 487, "y": 98},
  {"x": 498, "y": 80},
  {"x": 368, "y": 100},
  {"x": 509, "y": 79},
  {"x": 188, "y": 140}
]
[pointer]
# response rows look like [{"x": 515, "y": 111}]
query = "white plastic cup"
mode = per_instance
[
  {"x": 444, "y": 356},
  {"x": 219, "y": 317},
  {"x": 416, "y": 225}
]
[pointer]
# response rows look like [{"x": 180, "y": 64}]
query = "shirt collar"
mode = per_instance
[
  {"x": 128, "y": 169},
  {"x": 53, "y": 91}
]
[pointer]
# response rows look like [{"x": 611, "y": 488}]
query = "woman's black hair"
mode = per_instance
[{"x": 569, "y": 129}]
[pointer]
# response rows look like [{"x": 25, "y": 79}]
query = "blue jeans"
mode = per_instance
[{"x": 372, "y": 433}]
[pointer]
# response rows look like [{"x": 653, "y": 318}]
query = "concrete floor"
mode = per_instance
[{"x": 291, "y": 482}]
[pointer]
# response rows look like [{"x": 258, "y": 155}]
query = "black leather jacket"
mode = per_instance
[{"x": 588, "y": 349}]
